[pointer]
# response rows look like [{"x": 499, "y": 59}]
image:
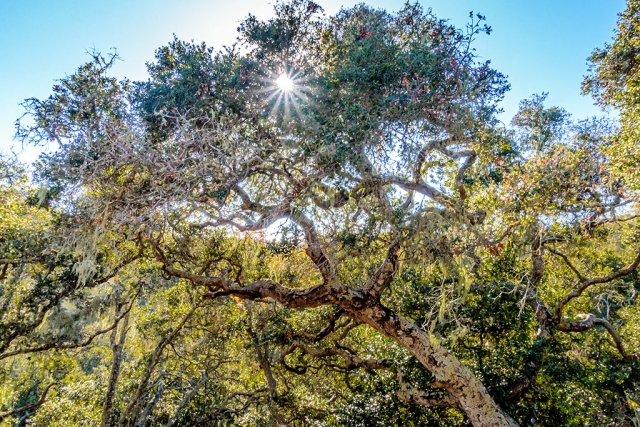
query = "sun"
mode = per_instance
[
  {"x": 284, "y": 83},
  {"x": 286, "y": 91}
]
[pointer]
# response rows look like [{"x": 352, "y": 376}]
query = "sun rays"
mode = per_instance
[
  {"x": 284, "y": 83},
  {"x": 286, "y": 92}
]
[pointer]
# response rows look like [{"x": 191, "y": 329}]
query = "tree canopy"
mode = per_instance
[{"x": 367, "y": 245}]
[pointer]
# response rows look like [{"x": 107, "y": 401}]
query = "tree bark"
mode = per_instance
[
  {"x": 117, "y": 345},
  {"x": 263, "y": 357},
  {"x": 448, "y": 372}
]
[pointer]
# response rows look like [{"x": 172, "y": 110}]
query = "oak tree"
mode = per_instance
[{"x": 350, "y": 171}]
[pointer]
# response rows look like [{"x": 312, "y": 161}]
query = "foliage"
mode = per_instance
[{"x": 614, "y": 81}]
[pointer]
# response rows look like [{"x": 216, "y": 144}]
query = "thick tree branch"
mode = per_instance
[
  {"x": 471, "y": 158},
  {"x": 385, "y": 273},
  {"x": 448, "y": 372},
  {"x": 414, "y": 396},
  {"x": 588, "y": 322},
  {"x": 315, "y": 252},
  {"x": 543, "y": 315},
  {"x": 290, "y": 297}
]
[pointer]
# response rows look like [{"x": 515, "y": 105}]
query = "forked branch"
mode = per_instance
[{"x": 585, "y": 284}]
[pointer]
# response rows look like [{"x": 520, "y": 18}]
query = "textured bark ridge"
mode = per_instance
[{"x": 448, "y": 372}]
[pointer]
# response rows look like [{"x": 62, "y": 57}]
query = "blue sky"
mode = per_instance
[{"x": 542, "y": 45}]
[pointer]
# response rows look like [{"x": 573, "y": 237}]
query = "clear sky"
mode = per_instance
[{"x": 542, "y": 45}]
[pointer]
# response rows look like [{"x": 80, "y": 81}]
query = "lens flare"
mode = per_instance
[
  {"x": 284, "y": 83},
  {"x": 286, "y": 90}
]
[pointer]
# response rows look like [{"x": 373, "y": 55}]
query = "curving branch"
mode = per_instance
[
  {"x": 406, "y": 392},
  {"x": 471, "y": 158},
  {"x": 155, "y": 359},
  {"x": 43, "y": 399},
  {"x": 566, "y": 261},
  {"x": 70, "y": 286},
  {"x": 588, "y": 322},
  {"x": 315, "y": 252},
  {"x": 265, "y": 220},
  {"x": 419, "y": 187},
  {"x": 58, "y": 346},
  {"x": 351, "y": 360},
  {"x": 590, "y": 282},
  {"x": 271, "y": 214},
  {"x": 290, "y": 297},
  {"x": 331, "y": 327}
]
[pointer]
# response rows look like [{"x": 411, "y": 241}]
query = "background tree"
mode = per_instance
[{"x": 613, "y": 81}]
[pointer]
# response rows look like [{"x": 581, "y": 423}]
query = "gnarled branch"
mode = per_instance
[
  {"x": 414, "y": 396},
  {"x": 588, "y": 322}
]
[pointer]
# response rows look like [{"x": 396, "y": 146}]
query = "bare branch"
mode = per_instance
[
  {"x": 590, "y": 282},
  {"x": 385, "y": 273},
  {"x": 569, "y": 264},
  {"x": 588, "y": 322},
  {"x": 29, "y": 407}
]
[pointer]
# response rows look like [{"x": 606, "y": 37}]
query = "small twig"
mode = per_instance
[{"x": 566, "y": 260}]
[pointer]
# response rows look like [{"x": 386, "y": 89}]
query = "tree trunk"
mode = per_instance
[
  {"x": 263, "y": 356},
  {"x": 117, "y": 346},
  {"x": 448, "y": 372}
]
